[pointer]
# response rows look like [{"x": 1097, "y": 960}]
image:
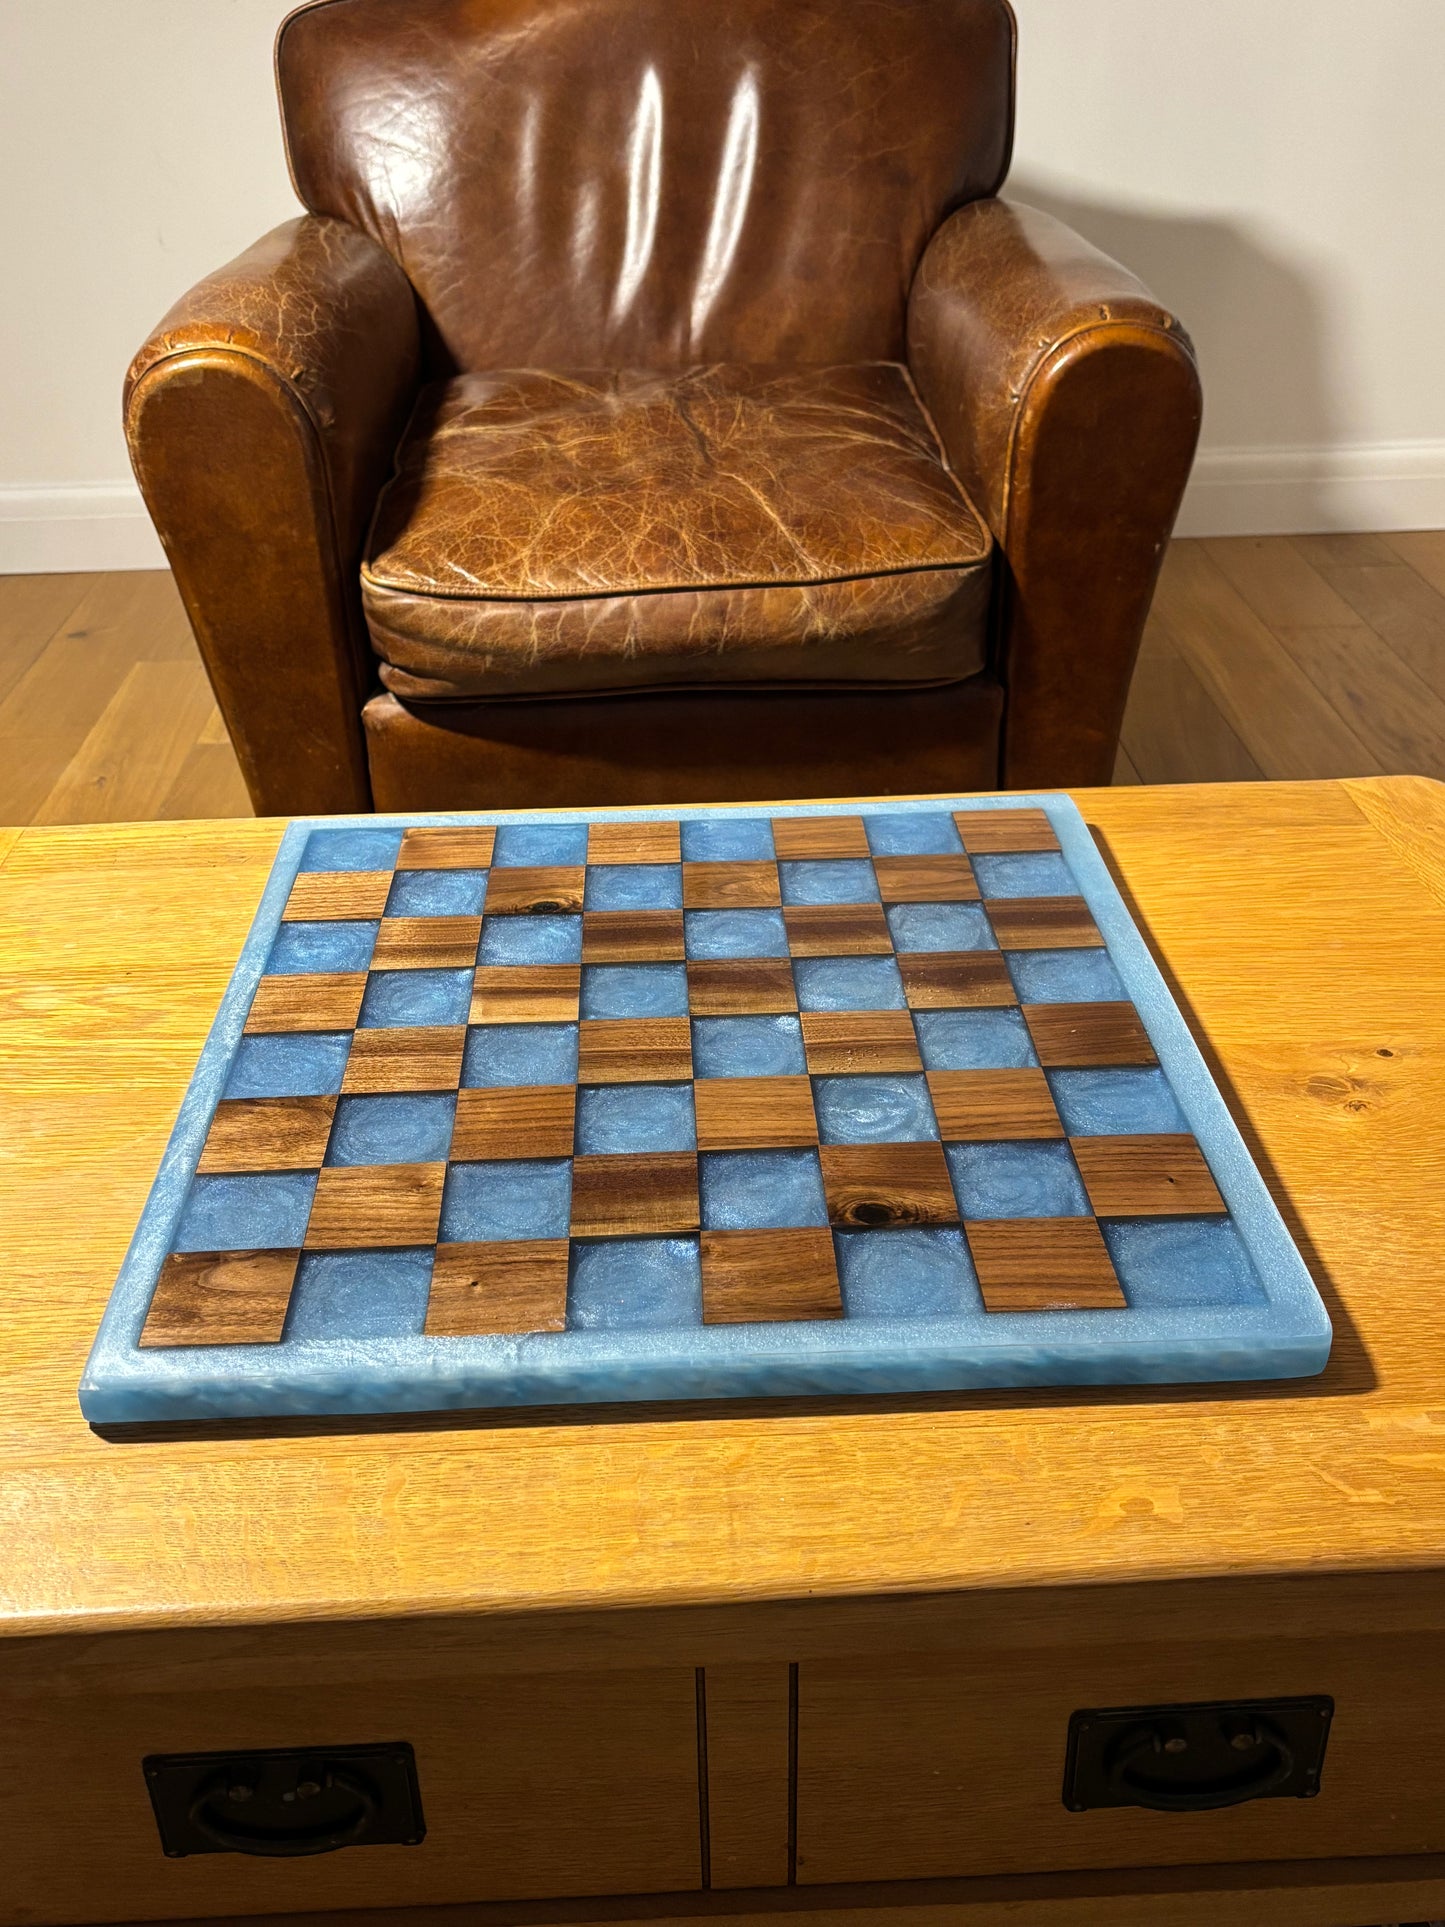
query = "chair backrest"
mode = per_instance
[{"x": 650, "y": 183}]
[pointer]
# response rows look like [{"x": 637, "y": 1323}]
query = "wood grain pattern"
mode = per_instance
[
  {"x": 220, "y": 1298},
  {"x": 482, "y": 1289},
  {"x": 633, "y": 936},
  {"x": 439, "y": 848},
  {"x": 1043, "y": 1264},
  {"x": 520, "y": 893},
  {"x": 754, "y": 1113},
  {"x": 268, "y": 1134},
  {"x": 327, "y": 1000},
  {"x": 526, "y": 994},
  {"x": 956, "y": 980},
  {"x": 636, "y": 1196},
  {"x": 427, "y": 943},
  {"x": 383, "y": 1205},
  {"x": 926, "y": 879},
  {"x": 730, "y": 886},
  {"x": 746, "y": 1710},
  {"x": 330, "y": 896},
  {"x": 837, "y": 930},
  {"x": 1005, "y": 832},
  {"x": 1043, "y": 923},
  {"x": 634, "y": 843},
  {"x": 768, "y": 1277},
  {"x": 871, "y": 1187},
  {"x": 635, "y": 1050},
  {"x": 818, "y": 836},
  {"x": 759, "y": 987},
  {"x": 1087, "y": 1036},
  {"x": 1163, "y": 1176},
  {"x": 423, "y": 1058},
  {"x": 841, "y": 1043},
  {"x": 978, "y": 1107},
  {"x": 532, "y": 1121}
]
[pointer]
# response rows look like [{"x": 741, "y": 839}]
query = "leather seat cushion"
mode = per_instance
[{"x": 552, "y": 533}]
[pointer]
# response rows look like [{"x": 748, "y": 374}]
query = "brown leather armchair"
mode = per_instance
[{"x": 658, "y": 404}]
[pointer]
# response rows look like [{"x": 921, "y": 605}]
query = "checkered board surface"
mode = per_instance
[{"x": 641, "y": 1080}]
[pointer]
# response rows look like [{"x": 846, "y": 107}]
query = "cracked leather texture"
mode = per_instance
[
  {"x": 550, "y": 532},
  {"x": 650, "y": 183}
]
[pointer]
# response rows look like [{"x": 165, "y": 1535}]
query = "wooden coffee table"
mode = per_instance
[{"x": 819, "y": 1654}]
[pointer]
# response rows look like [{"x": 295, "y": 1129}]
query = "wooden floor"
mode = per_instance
[{"x": 1310, "y": 656}]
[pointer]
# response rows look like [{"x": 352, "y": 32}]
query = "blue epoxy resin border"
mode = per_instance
[{"x": 1204, "y": 1298}]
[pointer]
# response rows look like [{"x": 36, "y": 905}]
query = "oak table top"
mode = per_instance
[{"x": 1302, "y": 928}]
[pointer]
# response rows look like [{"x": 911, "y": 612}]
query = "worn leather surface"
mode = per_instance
[
  {"x": 1069, "y": 404},
  {"x": 650, "y": 183},
  {"x": 701, "y": 746},
  {"x": 262, "y": 415},
  {"x": 556, "y": 532}
]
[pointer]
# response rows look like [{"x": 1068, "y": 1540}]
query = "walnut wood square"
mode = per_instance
[
  {"x": 926, "y": 879},
  {"x": 221, "y": 1298},
  {"x": 730, "y": 886},
  {"x": 1004, "y": 832},
  {"x": 531, "y": 1121},
  {"x": 981, "y": 1107},
  {"x": 838, "y": 930},
  {"x": 843, "y": 1042},
  {"x": 427, "y": 943},
  {"x": 634, "y": 843},
  {"x": 753, "y": 987},
  {"x": 332, "y": 896},
  {"x": 358, "y": 1207},
  {"x": 1044, "y": 1264},
  {"x": 800, "y": 837},
  {"x": 634, "y": 1197},
  {"x": 521, "y": 893},
  {"x": 526, "y": 993},
  {"x": 447, "y": 849},
  {"x": 268, "y": 1134},
  {"x": 1147, "y": 1177},
  {"x": 754, "y": 1113},
  {"x": 887, "y": 1186},
  {"x": 632, "y": 936},
  {"x": 1043, "y": 923},
  {"x": 477, "y": 1290},
  {"x": 956, "y": 980},
  {"x": 329, "y": 1000},
  {"x": 1084, "y": 1036},
  {"x": 768, "y": 1277},
  {"x": 426, "y": 1058},
  {"x": 635, "y": 1050}
]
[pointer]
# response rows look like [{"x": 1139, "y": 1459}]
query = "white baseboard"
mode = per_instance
[{"x": 1235, "y": 491}]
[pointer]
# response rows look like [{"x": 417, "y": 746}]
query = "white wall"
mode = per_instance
[{"x": 1275, "y": 168}]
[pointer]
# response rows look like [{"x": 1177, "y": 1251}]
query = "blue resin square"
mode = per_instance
[
  {"x": 927, "y": 833},
  {"x": 302, "y": 949},
  {"x": 974, "y": 1040},
  {"x": 1168, "y": 1263},
  {"x": 310, "y": 1064},
  {"x": 400, "y": 999},
  {"x": 837, "y": 880},
  {"x": 634, "y": 886},
  {"x": 634, "y": 1284},
  {"x": 762, "y": 1190},
  {"x": 531, "y": 940},
  {"x": 748, "y": 1047},
  {"x": 1016, "y": 1181},
  {"x": 723, "y": 839},
  {"x": 519, "y": 1055},
  {"x": 874, "y": 1110},
  {"x": 351, "y": 850},
  {"x": 634, "y": 990},
  {"x": 1065, "y": 977},
  {"x": 906, "y": 1274},
  {"x": 939, "y": 926},
  {"x": 541, "y": 846},
  {"x": 1115, "y": 1103},
  {"x": 254, "y": 1212},
  {"x": 393, "y": 1128},
  {"x": 359, "y": 1294},
  {"x": 1036, "y": 874},
  {"x": 717, "y": 934},
  {"x": 438, "y": 893},
  {"x": 521, "y": 1199},
  {"x": 848, "y": 983},
  {"x": 614, "y": 1120}
]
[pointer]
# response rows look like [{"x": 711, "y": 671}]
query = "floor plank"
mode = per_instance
[
  {"x": 1279, "y": 584},
  {"x": 132, "y": 758},
  {"x": 1174, "y": 731},
  {"x": 1424, "y": 551},
  {"x": 32, "y": 608},
  {"x": 1396, "y": 715},
  {"x": 1400, "y": 605}
]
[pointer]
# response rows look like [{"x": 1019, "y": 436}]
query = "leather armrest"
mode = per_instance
[
  {"x": 263, "y": 415},
  {"x": 1068, "y": 403}
]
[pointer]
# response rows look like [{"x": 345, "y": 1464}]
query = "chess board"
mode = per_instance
[{"x": 718, "y": 1103}]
